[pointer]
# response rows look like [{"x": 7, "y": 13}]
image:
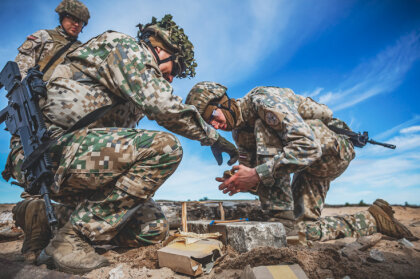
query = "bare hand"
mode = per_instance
[{"x": 241, "y": 181}]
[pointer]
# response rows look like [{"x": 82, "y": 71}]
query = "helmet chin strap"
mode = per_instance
[
  {"x": 228, "y": 108},
  {"x": 149, "y": 44}
]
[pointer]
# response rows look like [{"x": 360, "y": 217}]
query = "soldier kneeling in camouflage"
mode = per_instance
[
  {"x": 109, "y": 175},
  {"x": 279, "y": 133},
  {"x": 46, "y": 48}
]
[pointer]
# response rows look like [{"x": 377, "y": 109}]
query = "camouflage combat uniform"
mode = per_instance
[
  {"x": 110, "y": 174},
  {"x": 40, "y": 47},
  {"x": 279, "y": 133}
]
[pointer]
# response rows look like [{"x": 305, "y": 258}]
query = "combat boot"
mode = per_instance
[
  {"x": 385, "y": 221},
  {"x": 30, "y": 216},
  {"x": 286, "y": 217},
  {"x": 70, "y": 253}
]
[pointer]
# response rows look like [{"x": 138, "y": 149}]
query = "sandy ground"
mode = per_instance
[{"x": 332, "y": 259}]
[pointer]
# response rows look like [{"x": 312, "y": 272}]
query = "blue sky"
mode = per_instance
[{"x": 361, "y": 58}]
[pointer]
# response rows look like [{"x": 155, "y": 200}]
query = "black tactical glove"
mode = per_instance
[{"x": 223, "y": 145}]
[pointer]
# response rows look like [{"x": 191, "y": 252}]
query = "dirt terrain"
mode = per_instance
[{"x": 375, "y": 256}]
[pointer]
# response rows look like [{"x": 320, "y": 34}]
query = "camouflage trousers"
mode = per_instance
[
  {"x": 109, "y": 176},
  {"x": 333, "y": 227},
  {"x": 308, "y": 190}
]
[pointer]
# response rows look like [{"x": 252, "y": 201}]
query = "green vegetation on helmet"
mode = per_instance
[
  {"x": 203, "y": 93},
  {"x": 74, "y": 8},
  {"x": 173, "y": 36}
]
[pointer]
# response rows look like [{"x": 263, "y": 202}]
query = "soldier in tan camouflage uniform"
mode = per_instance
[
  {"x": 109, "y": 175},
  {"x": 279, "y": 133},
  {"x": 39, "y": 49},
  {"x": 41, "y": 46}
]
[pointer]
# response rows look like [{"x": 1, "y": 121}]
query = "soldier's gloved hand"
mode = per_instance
[{"x": 223, "y": 145}]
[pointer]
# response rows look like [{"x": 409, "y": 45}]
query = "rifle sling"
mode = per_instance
[
  {"x": 83, "y": 122},
  {"x": 57, "y": 55},
  {"x": 341, "y": 131}
]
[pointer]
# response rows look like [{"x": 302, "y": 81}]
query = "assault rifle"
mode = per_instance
[
  {"x": 358, "y": 139},
  {"x": 23, "y": 118}
]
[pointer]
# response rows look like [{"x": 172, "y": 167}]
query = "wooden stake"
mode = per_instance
[
  {"x": 184, "y": 217},
  {"x": 222, "y": 211}
]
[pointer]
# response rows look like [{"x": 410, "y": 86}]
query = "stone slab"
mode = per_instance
[{"x": 244, "y": 236}]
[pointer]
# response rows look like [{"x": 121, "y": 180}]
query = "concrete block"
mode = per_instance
[
  {"x": 274, "y": 272},
  {"x": 244, "y": 236}
]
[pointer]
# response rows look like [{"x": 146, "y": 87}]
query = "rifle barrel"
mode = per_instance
[{"x": 387, "y": 145}]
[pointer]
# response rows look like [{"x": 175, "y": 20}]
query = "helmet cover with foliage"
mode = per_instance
[
  {"x": 174, "y": 38},
  {"x": 203, "y": 93},
  {"x": 74, "y": 8}
]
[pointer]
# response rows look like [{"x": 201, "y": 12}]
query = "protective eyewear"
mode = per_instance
[{"x": 74, "y": 19}]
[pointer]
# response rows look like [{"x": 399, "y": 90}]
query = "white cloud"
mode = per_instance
[
  {"x": 314, "y": 93},
  {"x": 380, "y": 172},
  {"x": 414, "y": 120},
  {"x": 412, "y": 129},
  {"x": 380, "y": 75}
]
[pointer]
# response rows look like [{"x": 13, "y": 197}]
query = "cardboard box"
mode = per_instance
[
  {"x": 274, "y": 272},
  {"x": 191, "y": 259}
]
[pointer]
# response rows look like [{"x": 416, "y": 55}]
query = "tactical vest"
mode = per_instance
[{"x": 59, "y": 41}]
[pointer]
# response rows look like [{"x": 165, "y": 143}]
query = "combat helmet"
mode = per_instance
[
  {"x": 74, "y": 8},
  {"x": 204, "y": 93},
  {"x": 174, "y": 40}
]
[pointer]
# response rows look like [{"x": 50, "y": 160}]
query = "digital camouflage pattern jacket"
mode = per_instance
[
  {"x": 272, "y": 125},
  {"x": 114, "y": 68}
]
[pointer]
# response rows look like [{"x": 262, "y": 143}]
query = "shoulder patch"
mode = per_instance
[
  {"x": 27, "y": 45},
  {"x": 271, "y": 119},
  {"x": 32, "y": 37}
]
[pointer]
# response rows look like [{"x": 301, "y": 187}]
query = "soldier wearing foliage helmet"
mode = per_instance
[
  {"x": 279, "y": 133},
  {"x": 109, "y": 171},
  {"x": 41, "y": 46}
]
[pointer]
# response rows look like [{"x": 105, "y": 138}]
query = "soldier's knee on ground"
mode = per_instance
[{"x": 147, "y": 226}]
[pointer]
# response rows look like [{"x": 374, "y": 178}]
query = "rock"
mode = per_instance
[
  {"x": 244, "y": 236},
  {"x": 16, "y": 270},
  {"x": 376, "y": 256},
  {"x": 351, "y": 251},
  {"x": 415, "y": 224},
  {"x": 406, "y": 243},
  {"x": 6, "y": 217},
  {"x": 117, "y": 273},
  {"x": 8, "y": 230}
]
